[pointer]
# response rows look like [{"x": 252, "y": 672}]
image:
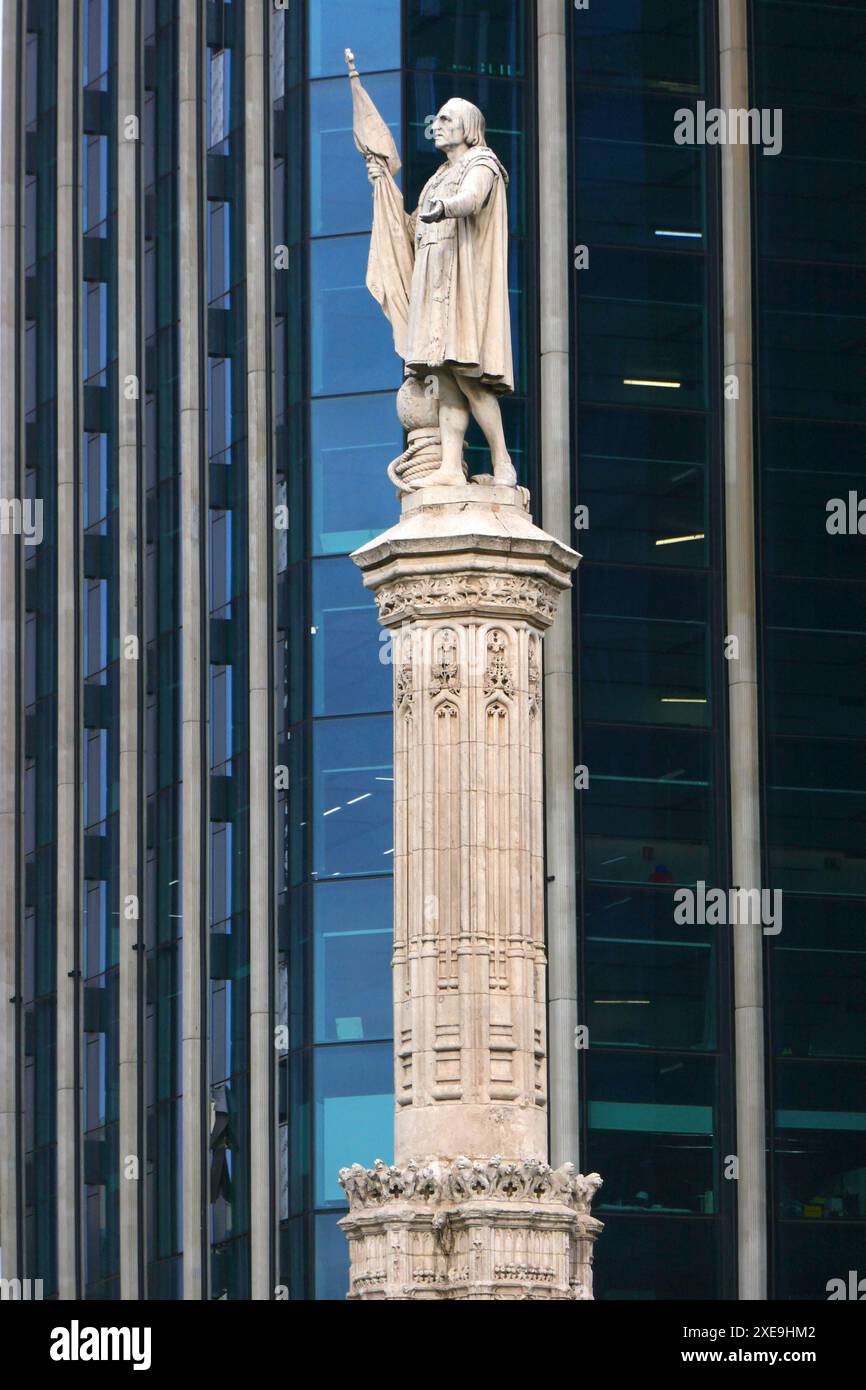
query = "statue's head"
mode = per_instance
[{"x": 459, "y": 123}]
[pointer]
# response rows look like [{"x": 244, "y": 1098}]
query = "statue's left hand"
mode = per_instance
[{"x": 436, "y": 213}]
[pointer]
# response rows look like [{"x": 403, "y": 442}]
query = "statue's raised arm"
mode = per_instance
[{"x": 441, "y": 278}]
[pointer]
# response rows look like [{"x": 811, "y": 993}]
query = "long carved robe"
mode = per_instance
[
  {"x": 458, "y": 303},
  {"x": 444, "y": 285}
]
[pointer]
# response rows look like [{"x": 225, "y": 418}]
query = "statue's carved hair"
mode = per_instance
[{"x": 474, "y": 124}]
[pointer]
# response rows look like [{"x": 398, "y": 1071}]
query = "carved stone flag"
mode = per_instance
[{"x": 391, "y": 259}]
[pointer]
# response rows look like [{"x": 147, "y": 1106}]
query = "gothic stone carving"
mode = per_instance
[
  {"x": 468, "y": 593},
  {"x": 445, "y": 674},
  {"x": 498, "y": 673},
  {"x": 465, "y": 1179}
]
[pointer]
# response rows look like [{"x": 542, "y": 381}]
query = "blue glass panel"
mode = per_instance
[
  {"x": 354, "y": 438},
  {"x": 351, "y": 652},
  {"x": 352, "y": 969},
  {"x": 370, "y": 27},
  {"x": 332, "y": 1260},
  {"x": 340, "y": 192},
  {"x": 352, "y": 801},
  {"x": 345, "y": 315},
  {"x": 219, "y": 254},
  {"x": 354, "y": 1113}
]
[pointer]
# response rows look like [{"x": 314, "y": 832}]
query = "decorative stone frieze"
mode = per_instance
[
  {"x": 465, "y": 1179},
  {"x": 432, "y": 595}
]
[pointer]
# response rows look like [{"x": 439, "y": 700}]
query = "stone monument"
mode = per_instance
[{"x": 467, "y": 586}]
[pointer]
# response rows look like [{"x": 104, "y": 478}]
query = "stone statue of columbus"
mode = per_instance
[{"x": 441, "y": 277}]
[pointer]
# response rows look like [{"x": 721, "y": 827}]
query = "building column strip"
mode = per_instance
[
  {"x": 261, "y": 695},
  {"x": 554, "y": 263},
  {"x": 192, "y": 155},
  {"x": 743, "y": 671},
  {"x": 11, "y": 439},
  {"x": 69, "y": 651},
  {"x": 129, "y": 370}
]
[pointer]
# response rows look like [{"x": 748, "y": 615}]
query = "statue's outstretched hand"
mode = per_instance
[
  {"x": 375, "y": 169},
  {"x": 436, "y": 213}
]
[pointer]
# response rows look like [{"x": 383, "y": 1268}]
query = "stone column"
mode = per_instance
[
  {"x": 467, "y": 586},
  {"x": 742, "y": 622}
]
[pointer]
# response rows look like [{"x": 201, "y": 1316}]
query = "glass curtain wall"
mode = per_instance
[
  {"x": 163, "y": 925},
  {"x": 810, "y": 271},
  {"x": 101, "y": 755},
  {"x": 344, "y": 432},
  {"x": 39, "y": 664},
  {"x": 651, "y": 713},
  {"x": 229, "y": 952}
]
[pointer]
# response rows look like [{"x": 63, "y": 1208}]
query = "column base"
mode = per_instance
[{"x": 483, "y": 1230}]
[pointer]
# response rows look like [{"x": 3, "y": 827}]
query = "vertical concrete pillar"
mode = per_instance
[
  {"x": 554, "y": 266},
  {"x": 69, "y": 650},
  {"x": 129, "y": 365},
  {"x": 261, "y": 695},
  {"x": 192, "y": 349},
  {"x": 743, "y": 672},
  {"x": 11, "y": 440}
]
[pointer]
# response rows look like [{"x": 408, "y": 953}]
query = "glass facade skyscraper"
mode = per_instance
[{"x": 196, "y": 822}]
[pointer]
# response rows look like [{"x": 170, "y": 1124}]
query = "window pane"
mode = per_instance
[
  {"x": 656, "y": 44},
  {"x": 652, "y": 1132},
  {"x": 818, "y": 966},
  {"x": 345, "y": 315},
  {"x": 820, "y": 1141},
  {"x": 370, "y": 27},
  {"x": 643, "y": 329},
  {"x": 645, "y": 646},
  {"x": 352, "y": 802},
  {"x": 636, "y": 186},
  {"x": 658, "y": 1259},
  {"x": 340, "y": 192},
  {"x": 643, "y": 477},
  {"x": 351, "y": 652},
  {"x": 468, "y": 35},
  {"x": 354, "y": 1113},
  {"x": 353, "y": 441},
  {"x": 646, "y": 809},
  {"x": 816, "y": 804},
  {"x": 649, "y": 982},
  {"x": 352, "y": 971},
  {"x": 816, "y": 656},
  {"x": 332, "y": 1260}
]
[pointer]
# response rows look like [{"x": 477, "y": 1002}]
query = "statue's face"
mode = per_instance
[{"x": 448, "y": 128}]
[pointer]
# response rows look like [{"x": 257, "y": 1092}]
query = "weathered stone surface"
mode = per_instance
[
  {"x": 467, "y": 586},
  {"x": 472, "y": 1229}
]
